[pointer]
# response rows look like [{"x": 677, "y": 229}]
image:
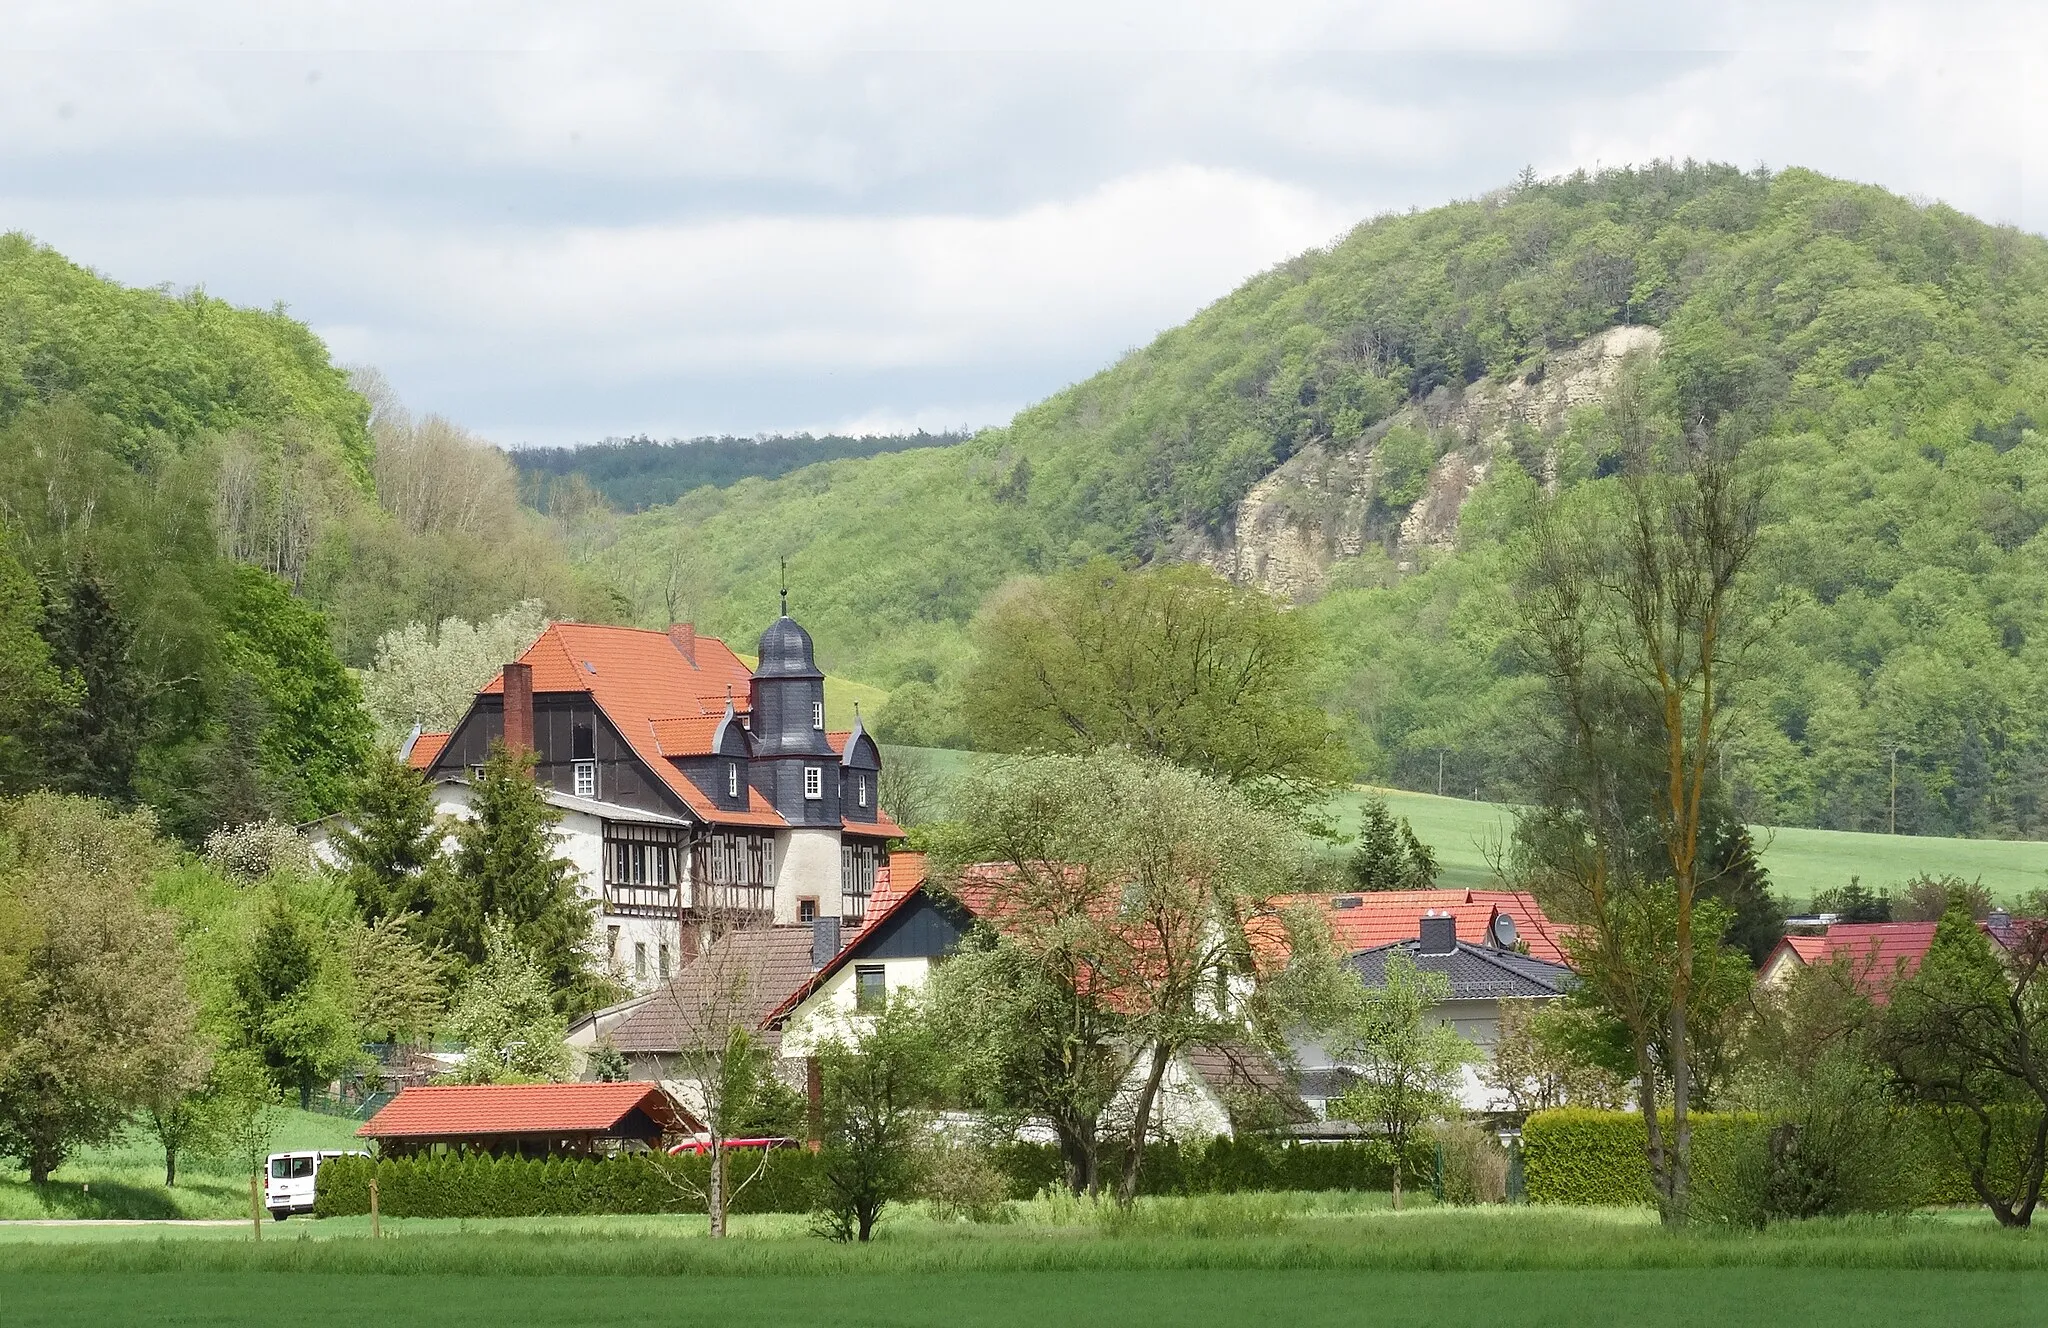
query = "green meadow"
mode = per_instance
[
  {"x": 1467, "y": 836},
  {"x": 1302, "y": 1259}
]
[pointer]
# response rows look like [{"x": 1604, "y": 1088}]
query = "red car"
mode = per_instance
[{"x": 702, "y": 1146}]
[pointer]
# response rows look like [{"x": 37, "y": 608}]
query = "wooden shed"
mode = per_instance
[{"x": 527, "y": 1120}]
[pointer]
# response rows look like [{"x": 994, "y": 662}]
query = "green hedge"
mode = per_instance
[
  {"x": 476, "y": 1186},
  {"x": 1601, "y": 1158},
  {"x": 1232, "y": 1166}
]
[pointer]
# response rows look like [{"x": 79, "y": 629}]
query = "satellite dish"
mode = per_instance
[{"x": 1504, "y": 935}]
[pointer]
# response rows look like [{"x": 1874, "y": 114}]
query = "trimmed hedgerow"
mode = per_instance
[
  {"x": 478, "y": 1186},
  {"x": 1600, "y": 1158},
  {"x": 1223, "y": 1165}
]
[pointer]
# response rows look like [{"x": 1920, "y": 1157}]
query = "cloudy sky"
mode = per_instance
[{"x": 557, "y": 223}]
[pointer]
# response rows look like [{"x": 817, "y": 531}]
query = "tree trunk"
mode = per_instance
[
  {"x": 1646, "y": 1101},
  {"x": 1141, "y": 1125},
  {"x": 1681, "y": 1094},
  {"x": 1078, "y": 1151},
  {"x": 170, "y": 1167},
  {"x": 305, "y": 1095},
  {"x": 1400, "y": 1140},
  {"x": 716, "y": 1186}
]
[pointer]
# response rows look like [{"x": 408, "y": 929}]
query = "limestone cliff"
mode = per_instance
[{"x": 1326, "y": 502}]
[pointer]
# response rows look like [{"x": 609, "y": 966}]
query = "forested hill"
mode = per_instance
[
  {"x": 202, "y": 524},
  {"x": 635, "y": 473},
  {"x": 1888, "y": 357}
]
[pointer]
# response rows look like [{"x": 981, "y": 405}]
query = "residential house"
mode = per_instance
[
  {"x": 1877, "y": 953},
  {"x": 1491, "y": 967}
]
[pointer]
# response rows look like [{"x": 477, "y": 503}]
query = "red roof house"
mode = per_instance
[
  {"x": 1372, "y": 919},
  {"x": 526, "y": 1119},
  {"x": 1878, "y": 952}
]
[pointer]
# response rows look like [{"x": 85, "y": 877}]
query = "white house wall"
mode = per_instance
[
  {"x": 829, "y": 1012},
  {"x": 807, "y": 866}
]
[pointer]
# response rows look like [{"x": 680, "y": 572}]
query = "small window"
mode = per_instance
[
  {"x": 817, "y": 714},
  {"x": 281, "y": 1168},
  {"x": 586, "y": 779},
  {"x": 476, "y": 774},
  {"x": 861, "y": 785},
  {"x": 870, "y": 987},
  {"x": 611, "y": 944},
  {"x": 640, "y": 960},
  {"x": 806, "y": 910},
  {"x": 814, "y": 781},
  {"x": 303, "y": 1168},
  {"x": 732, "y": 779},
  {"x": 664, "y": 962}
]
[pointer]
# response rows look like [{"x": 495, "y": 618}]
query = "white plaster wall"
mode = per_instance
[
  {"x": 829, "y": 1011},
  {"x": 1185, "y": 1110},
  {"x": 806, "y": 866}
]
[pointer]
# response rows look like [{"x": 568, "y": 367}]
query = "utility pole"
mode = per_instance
[
  {"x": 1440, "y": 770},
  {"x": 1894, "y": 820}
]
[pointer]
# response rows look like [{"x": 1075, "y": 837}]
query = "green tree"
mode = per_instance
[
  {"x": 1736, "y": 878},
  {"x": 389, "y": 844},
  {"x": 397, "y": 985},
  {"x": 880, "y": 1084},
  {"x": 505, "y": 1013},
  {"x": 93, "y": 1002},
  {"x": 1172, "y": 662},
  {"x": 32, "y": 688},
  {"x": 106, "y": 729},
  {"x": 506, "y": 868},
  {"x": 1389, "y": 856},
  {"x": 290, "y": 998},
  {"x": 1967, "y": 1036},
  {"x": 1409, "y": 1065},
  {"x": 1153, "y": 902}
]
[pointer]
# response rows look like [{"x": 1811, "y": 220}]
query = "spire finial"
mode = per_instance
[{"x": 785, "y": 587}]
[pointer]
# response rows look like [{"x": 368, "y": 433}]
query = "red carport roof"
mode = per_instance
[{"x": 467, "y": 1110}]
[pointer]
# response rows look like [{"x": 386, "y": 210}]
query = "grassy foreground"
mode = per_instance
[
  {"x": 126, "y": 1178},
  {"x": 1235, "y": 1260}
]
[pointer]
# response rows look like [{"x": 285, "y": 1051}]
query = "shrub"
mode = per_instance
[
  {"x": 964, "y": 1182},
  {"x": 1473, "y": 1167},
  {"x": 1225, "y": 1165}
]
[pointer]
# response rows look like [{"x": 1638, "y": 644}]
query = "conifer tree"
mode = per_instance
[
  {"x": 1389, "y": 856},
  {"x": 506, "y": 867},
  {"x": 390, "y": 846},
  {"x": 99, "y": 737}
]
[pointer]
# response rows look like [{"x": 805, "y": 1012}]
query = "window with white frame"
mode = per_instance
[
  {"x": 817, "y": 714},
  {"x": 861, "y": 789},
  {"x": 732, "y": 779},
  {"x": 814, "y": 781},
  {"x": 585, "y": 774}
]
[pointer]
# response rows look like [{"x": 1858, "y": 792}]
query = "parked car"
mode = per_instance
[
  {"x": 288, "y": 1180},
  {"x": 700, "y": 1147}
]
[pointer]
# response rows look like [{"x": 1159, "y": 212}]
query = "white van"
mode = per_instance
[{"x": 288, "y": 1180}]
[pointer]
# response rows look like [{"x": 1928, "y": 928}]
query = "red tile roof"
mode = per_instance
[
  {"x": 686, "y": 737},
  {"x": 1383, "y": 917},
  {"x": 425, "y": 748},
  {"x": 896, "y": 885},
  {"x": 643, "y": 684},
  {"x": 1877, "y": 952},
  {"x": 473, "y": 1110}
]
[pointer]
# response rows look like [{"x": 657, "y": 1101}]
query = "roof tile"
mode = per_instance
[{"x": 469, "y": 1110}]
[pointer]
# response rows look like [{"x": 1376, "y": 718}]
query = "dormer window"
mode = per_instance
[
  {"x": 814, "y": 781},
  {"x": 585, "y": 775},
  {"x": 732, "y": 779},
  {"x": 817, "y": 714}
]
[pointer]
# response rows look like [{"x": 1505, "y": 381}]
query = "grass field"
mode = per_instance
[
  {"x": 126, "y": 1179},
  {"x": 1240, "y": 1260},
  {"x": 1801, "y": 862}
]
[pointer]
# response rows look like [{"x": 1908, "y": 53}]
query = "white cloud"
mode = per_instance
[{"x": 565, "y": 221}]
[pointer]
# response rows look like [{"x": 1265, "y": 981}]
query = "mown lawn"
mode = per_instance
[
  {"x": 1237, "y": 1260},
  {"x": 126, "y": 1179}
]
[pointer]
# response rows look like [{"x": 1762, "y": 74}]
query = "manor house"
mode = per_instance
[{"x": 693, "y": 790}]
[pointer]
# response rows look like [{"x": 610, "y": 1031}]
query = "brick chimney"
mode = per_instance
[
  {"x": 685, "y": 637},
  {"x": 519, "y": 707},
  {"x": 1438, "y": 934}
]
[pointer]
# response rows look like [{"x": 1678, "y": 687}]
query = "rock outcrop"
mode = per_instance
[{"x": 1320, "y": 506}]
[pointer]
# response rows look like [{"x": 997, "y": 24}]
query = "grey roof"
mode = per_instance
[
  {"x": 1477, "y": 972},
  {"x": 786, "y": 651},
  {"x": 739, "y": 980}
]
